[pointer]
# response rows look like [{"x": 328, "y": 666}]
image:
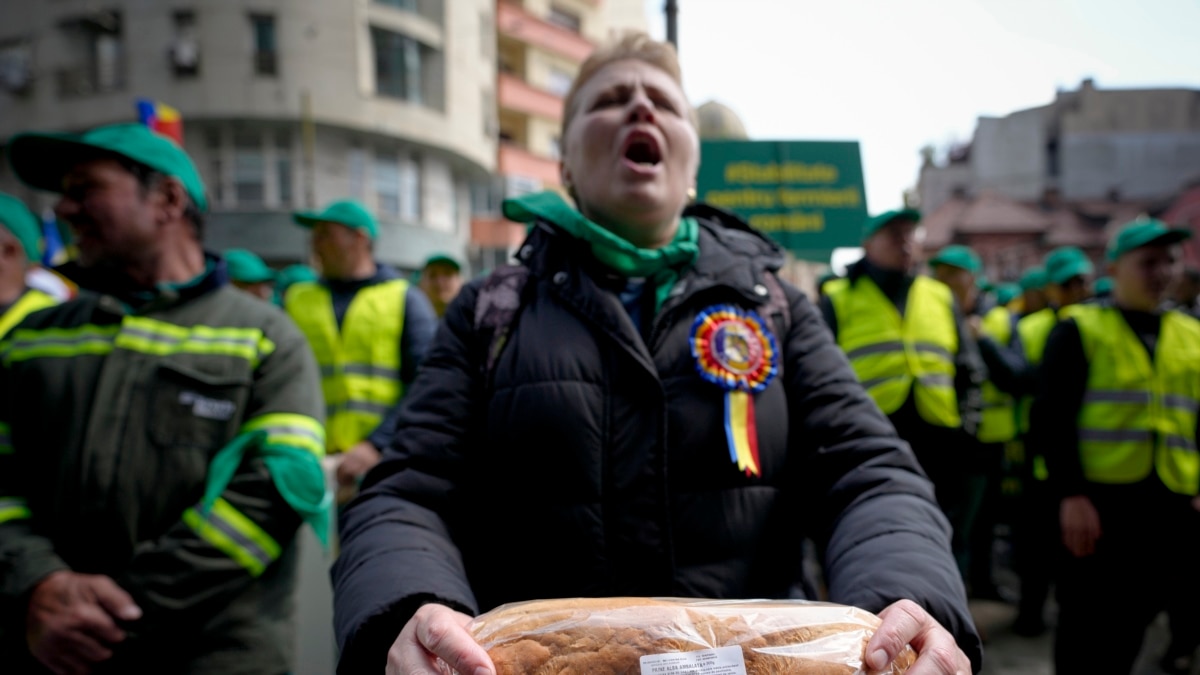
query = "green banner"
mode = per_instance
[{"x": 806, "y": 195}]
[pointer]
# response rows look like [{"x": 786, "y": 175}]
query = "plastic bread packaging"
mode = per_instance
[{"x": 673, "y": 636}]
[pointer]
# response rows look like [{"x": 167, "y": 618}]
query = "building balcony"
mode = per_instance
[
  {"x": 517, "y": 161},
  {"x": 496, "y": 232},
  {"x": 517, "y": 95},
  {"x": 516, "y": 22}
]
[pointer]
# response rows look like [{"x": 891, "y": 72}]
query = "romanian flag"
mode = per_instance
[{"x": 161, "y": 118}]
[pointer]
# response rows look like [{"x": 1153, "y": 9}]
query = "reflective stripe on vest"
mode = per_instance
[
  {"x": 360, "y": 364},
  {"x": 29, "y": 302},
  {"x": 1033, "y": 329},
  {"x": 999, "y": 421},
  {"x": 138, "y": 334},
  {"x": 232, "y": 533},
  {"x": 893, "y": 355},
  {"x": 1140, "y": 415}
]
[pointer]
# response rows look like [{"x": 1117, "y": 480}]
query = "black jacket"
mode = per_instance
[{"x": 595, "y": 465}]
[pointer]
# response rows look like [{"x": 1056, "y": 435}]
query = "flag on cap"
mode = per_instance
[{"x": 162, "y": 118}]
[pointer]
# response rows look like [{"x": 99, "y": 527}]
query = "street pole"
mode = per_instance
[{"x": 672, "y": 11}]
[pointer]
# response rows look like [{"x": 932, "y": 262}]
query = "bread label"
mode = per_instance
[{"x": 720, "y": 661}]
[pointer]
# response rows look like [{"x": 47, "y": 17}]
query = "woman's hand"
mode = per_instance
[
  {"x": 907, "y": 623},
  {"x": 434, "y": 632}
]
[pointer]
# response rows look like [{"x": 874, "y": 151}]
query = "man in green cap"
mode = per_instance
[
  {"x": 441, "y": 280},
  {"x": 910, "y": 347},
  {"x": 20, "y": 249},
  {"x": 369, "y": 329},
  {"x": 1065, "y": 274},
  {"x": 1116, "y": 417},
  {"x": 1033, "y": 290},
  {"x": 960, "y": 268},
  {"x": 292, "y": 274},
  {"x": 160, "y": 435},
  {"x": 248, "y": 272}
]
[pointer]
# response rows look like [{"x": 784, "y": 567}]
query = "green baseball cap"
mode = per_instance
[
  {"x": 294, "y": 274},
  {"x": 1006, "y": 293},
  {"x": 346, "y": 212},
  {"x": 41, "y": 160},
  {"x": 1144, "y": 232},
  {"x": 1032, "y": 279},
  {"x": 16, "y": 218},
  {"x": 246, "y": 267},
  {"x": 444, "y": 259},
  {"x": 876, "y": 223},
  {"x": 1103, "y": 286},
  {"x": 1066, "y": 262},
  {"x": 958, "y": 256}
]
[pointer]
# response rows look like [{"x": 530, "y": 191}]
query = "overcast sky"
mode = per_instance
[{"x": 900, "y": 74}]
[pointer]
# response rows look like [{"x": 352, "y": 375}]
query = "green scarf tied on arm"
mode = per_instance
[
  {"x": 660, "y": 267},
  {"x": 297, "y": 475}
]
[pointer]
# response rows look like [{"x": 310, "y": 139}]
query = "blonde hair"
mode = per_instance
[{"x": 631, "y": 45}]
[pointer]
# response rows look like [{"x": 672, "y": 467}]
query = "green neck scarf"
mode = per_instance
[{"x": 660, "y": 267}]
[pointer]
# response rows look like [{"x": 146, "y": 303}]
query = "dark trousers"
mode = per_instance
[
  {"x": 1143, "y": 564},
  {"x": 1037, "y": 546},
  {"x": 984, "y": 496}
]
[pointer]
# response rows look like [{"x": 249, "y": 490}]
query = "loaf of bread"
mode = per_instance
[{"x": 610, "y": 636}]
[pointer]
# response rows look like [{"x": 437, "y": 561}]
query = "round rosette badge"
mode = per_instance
[{"x": 735, "y": 351}]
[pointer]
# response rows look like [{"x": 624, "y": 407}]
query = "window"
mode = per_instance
[
  {"x": 407, "y": 69},
  {"x": 410, "y": 189},
  {"x": 263, "y": 27},
  {"x": 94, "y": 46},
  {"x": 387, "y": 182},
  {"x": 561, "y": 17},
  {"x": 491, "y": 123},
  {"x": 487, "y": 35},
  {"x": 558, "y": 82},
  {"x": 249, "y": 170},
  {"x": 283, "y": 167},
  {"x": 216, "y": 169},
  {"x": 555, "y": 147},
  {"x": 185, "y": 48},
  {"x": 407, "y": 5},
  {"x": 356, "y": 173},
  {"x": 16, "y": 67},
  {"x": 397, "y": 65}
]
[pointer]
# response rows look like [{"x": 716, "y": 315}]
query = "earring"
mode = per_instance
[{"x": 691, "y": 194}]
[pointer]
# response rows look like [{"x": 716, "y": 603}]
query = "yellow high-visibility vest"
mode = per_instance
[
  {"x": 999, "y": 421},
  {"x": 31, "y": 301},
  {"x": 1139, "y": 414},
  {"x": 360, "y": 364},
  {"x": 893, "y": 355},
  {"x": 1034, "y": 330}
]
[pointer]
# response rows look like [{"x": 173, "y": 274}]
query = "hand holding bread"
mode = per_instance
[{"x": 611, "y": 636}]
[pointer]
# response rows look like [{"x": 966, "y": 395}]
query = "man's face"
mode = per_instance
[
  {"x": 961, "y": 283},
  {"x": 1071, "y": 292},
  {"x": 894, "y": 246},
  {"x": 115, "y": 222},
  {"x": 1142, "y": 277},
  {"x": 441, "y": 282},
  {"x": 337, "y": 248}
]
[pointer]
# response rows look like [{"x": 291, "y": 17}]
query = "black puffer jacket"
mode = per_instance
[{"x": 594, "y": 465}]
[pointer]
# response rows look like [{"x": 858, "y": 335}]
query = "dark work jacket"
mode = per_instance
[{"x": 595, "y": 463}]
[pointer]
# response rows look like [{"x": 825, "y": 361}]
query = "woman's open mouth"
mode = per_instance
[{"x": 642, "y": 153}]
